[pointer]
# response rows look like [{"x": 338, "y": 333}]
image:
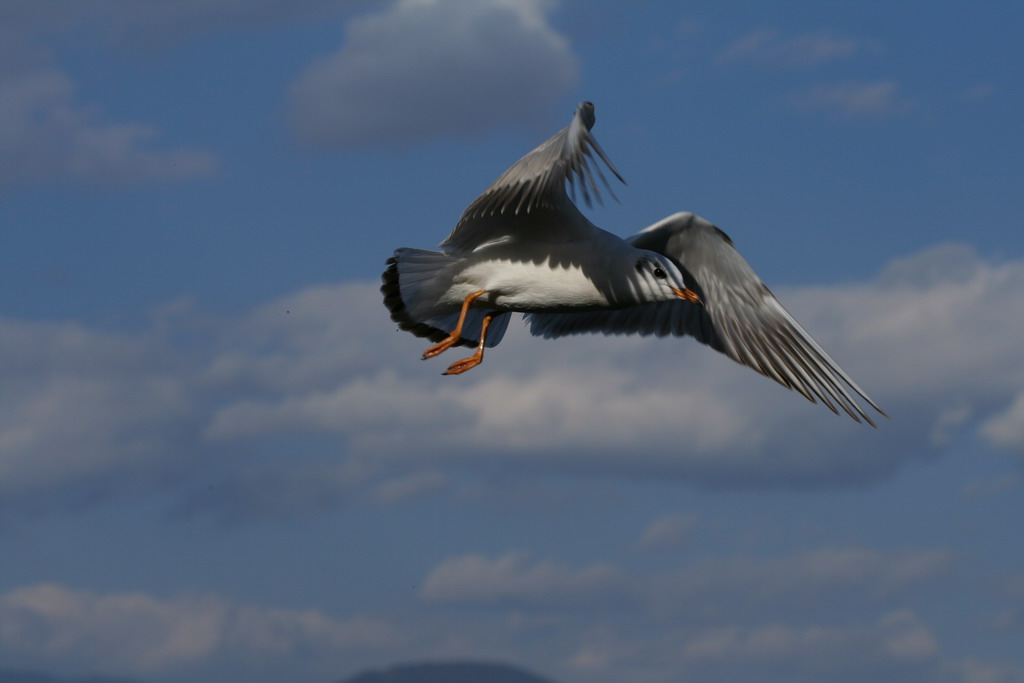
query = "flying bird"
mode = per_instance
[{"x": 524, "y": 246}]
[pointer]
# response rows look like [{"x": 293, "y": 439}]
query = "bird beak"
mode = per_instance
[{"x": 689, "y": 295}]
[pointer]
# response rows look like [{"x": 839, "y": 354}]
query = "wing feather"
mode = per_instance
[
  {"x": 536, "y": 185},
  {"x": 741, "y": 317}
]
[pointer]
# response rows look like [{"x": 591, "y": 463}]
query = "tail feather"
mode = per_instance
[{"x": 410, "y": 283}]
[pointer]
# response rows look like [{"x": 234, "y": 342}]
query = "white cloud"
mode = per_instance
[
  {"x": 427, "y": 68},
  {"x": 1006, "y": 429},
  {"x": 984, "y": 487},
  {"x": 409, "y": 486},
  {"x": 595, "y": 622},
  {"x": 49, "y": 132},
  {"x": 794, "y": 585},
  {"x": 860, "y": 100},
  {"x": 274, "y": 492},
  {"x": 147, "y": 25},
  {"x": 669, "y": 531},
  {"x": 92, "y": 410},
  {"x": 513, "y": 577},
  {"x": 767, "y": 46},
  {"x": 897, "y": 645},
  {"x": 981, "y": 91},
  {"x": 585, "y": 403},
  {"x": 817, "y": 652},
  {"x": 82, "y": 405},
  {"x": 706, "y": 591},
  {"x": 978, "y": 671},
  {"x": 1010, "y": 592},
  {"x": 927, "y": 310},
  {"x": 47, "y": 135},
  {"x": 138, "y": 633}
]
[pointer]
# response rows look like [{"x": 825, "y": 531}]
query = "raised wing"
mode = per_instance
[
  {"x": 741, "y": 317},
  {"x": 532, "y": 195}
]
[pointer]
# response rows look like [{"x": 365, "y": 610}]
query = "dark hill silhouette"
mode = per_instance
[
  {"x": 448, "y": 672},
  {"x": 424, "y": 672},
  {"x": 14, "y": 676}
]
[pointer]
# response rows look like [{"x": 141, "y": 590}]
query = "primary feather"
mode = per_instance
[{"x": 741, "y": 317}]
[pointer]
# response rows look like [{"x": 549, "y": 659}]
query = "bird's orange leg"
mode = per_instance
[
  {"x": 460, "y": 366},
  {"x": 456, "y": 334}
]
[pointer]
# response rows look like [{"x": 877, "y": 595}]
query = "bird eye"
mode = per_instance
[{"x": 659, "y": 273}]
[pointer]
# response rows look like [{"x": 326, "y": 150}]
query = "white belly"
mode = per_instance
[{"x": 527, "y": 286}]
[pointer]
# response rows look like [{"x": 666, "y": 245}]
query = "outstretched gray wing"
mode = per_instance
[
  {"x": 741, "y": 317},
  {"x": 530, "y": 197}
]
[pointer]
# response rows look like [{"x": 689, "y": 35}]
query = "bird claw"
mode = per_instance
[
  {"x": 439, "y": 348},
  {"x": 460, "y": 366}
]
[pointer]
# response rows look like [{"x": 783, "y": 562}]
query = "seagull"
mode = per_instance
[{"x": 524, "y": 246}]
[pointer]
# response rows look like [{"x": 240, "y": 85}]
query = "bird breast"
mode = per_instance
[{"x": 518, "y": 285}]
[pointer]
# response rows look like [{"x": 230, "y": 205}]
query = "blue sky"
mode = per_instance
[{"x": 220, "y": 461}]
